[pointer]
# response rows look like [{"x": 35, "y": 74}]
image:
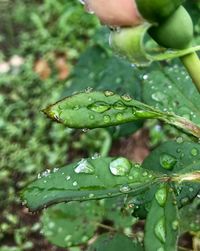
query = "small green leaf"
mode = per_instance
[
  {"x": 117, "y": 242},
  {"x": 162, "y": 225},
  {"x": 103, "y": 109},
  {"x": 88, "y": 179},
  {"x": 71, "y": 224}
]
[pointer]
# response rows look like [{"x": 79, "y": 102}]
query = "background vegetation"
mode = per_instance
[{"x": 40, "y": 43}]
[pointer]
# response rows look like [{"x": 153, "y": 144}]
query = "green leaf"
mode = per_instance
[
  {"x": 190, "y": 217},
  {"x": 116, "y": 211},
  {"x": 171, "y": 89},
  {"x": 177, "y": 158},
  {"x": 99, "y": 70},
  {"x": 162, "y": 224},
  {"x": 117, "y": 242},
  {"x": 71, "y": 224},
  {"x": 88, "y": 179},
  {"x": 102, "y": 109}
]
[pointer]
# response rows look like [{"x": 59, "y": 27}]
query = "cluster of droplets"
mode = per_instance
[{"x": 164, "y": 99}]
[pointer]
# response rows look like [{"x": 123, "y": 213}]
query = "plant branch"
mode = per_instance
[{"x": 192, "y": 64}]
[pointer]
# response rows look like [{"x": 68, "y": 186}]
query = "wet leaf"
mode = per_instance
[
  {"x": 117, "y": 242},
  {"x": 103, "y": 109},
  {"x": 162, "y": 224},
  {"x": 170, "y": 89},
  {"x": 71, "y": 224},
  {"x": 88, "y": 179}
]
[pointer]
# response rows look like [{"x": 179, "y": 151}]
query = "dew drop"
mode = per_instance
[
  {"x": 119, "y": 106},
  {"x": 99, "y": 107},
  {"x": 159, "y": 230},
  {"x": 161, "y": 196},
  {"x": 75, "y": 183},
  {"x": 125, "y": 189},
  {"x": 108, "y": 93},
  {"x": 167, "y": 161},
  {"x": 84, "y": 167},
  {"x": 120, "y": 166},
  {"x": 179, "y": 140},
  {"x": 126, "y": 98},
  {"x": 175, "y": 225},
  {"x": 106, "y": 119},
  {"x": 68, "y": 177},
  {"x": 194, "y": 152},
  {"x": 158, "y": 96},
  {"x": 119, "y": 117}
]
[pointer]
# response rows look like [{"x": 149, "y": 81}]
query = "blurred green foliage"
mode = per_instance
[{"x": 29, "y": 143}]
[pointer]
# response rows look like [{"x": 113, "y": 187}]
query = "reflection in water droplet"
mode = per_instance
[
  {"x": 159, "y": 230},
  {"x": 84, "y": 167},
  {"x": 167, "y": 161},
  {"x": 99, "y": 107},
  {"x": 161, "y": 196},
  {"x": 120, "y": 166}
]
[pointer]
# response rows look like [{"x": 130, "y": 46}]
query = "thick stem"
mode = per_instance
[{"x": 192, "y": 64}]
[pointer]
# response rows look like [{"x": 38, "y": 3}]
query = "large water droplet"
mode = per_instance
[
  {"x": 84, "y": 167},
  {"x": 159, "y": 230},
  {"x": 119, "y": 106},
  {"x": 99, "y": 106},
  {"x": 167, "y": 161},
  {"x": 161, "y": 196},
  {"x": 120, "y": 166}
]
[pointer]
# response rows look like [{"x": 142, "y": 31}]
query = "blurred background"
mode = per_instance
[{"x": 40, "y": 46}]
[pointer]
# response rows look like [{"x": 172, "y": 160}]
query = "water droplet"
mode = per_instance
[
  {"x": 161, "y": 196},
  {"x": 159, "y": 230},
  {"x": 106, "y": 119},
  {"x": 55, "y": 170},
  {"x": 175, "y": 225},
  {"x": 68, "y": 177},
  {"x": 108, "y": 93},
  {"x": 119, "y": 106},
  {"x": 91, "y": 195},
  {"x": 167, "y": 161},
  {"x": 67, "y": 238},
  {"x": 126, "y": 98},
  {"x": 84, "y": 167},
  {"x": 119, "y": 117},
  {"x": 99, "y": 106},
  {"x": 120, "y": 166},
  {"x": 179, "y": 140},
  {"x": 158, "y": 96},
  {"x": 194, "y": 152},
  {"x": 92, "y": 117},
  {"x": 125, "y": 188},
  {"x": 75, "y": 183}
]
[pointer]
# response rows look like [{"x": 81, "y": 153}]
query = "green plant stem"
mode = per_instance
[{"x": 192, "y": 64}]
